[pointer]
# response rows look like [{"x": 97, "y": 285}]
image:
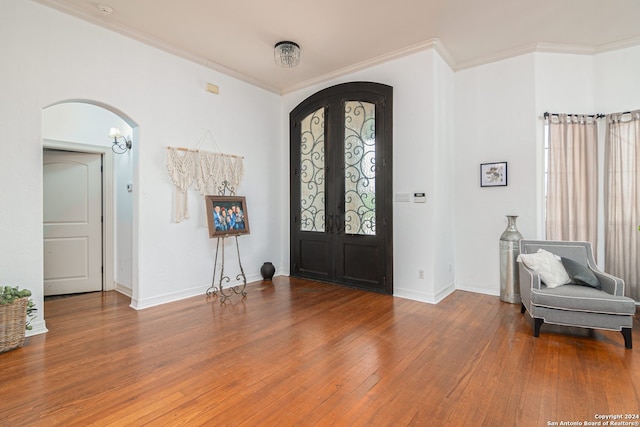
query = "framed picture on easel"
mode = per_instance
[{"x": 227, "y": 215}]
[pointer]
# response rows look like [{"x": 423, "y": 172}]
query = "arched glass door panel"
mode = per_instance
[
  {"x": 312, "y": 167},
  {"x": 360, "y": 167}
]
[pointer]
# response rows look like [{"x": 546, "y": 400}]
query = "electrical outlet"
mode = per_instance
[{"x": 420, "y": 274}]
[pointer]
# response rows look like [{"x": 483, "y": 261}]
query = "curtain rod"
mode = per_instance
[{"x": 597, "y": 116}]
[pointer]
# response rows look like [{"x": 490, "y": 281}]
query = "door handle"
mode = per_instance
[{"x": 338, "y": 225}]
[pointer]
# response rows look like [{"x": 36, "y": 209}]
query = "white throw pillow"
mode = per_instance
[{"x": 548, "y": 266}]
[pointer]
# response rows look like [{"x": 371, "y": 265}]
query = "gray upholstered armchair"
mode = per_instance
[{"x": 598, "y": 303}]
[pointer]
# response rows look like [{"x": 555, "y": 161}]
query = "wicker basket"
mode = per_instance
[{"x": 13, "y": 318}]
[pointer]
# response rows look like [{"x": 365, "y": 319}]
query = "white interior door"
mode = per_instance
[{"x": 72, "y": 222}]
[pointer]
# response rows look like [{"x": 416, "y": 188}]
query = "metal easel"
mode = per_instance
[{"x": 226, "y": 190}]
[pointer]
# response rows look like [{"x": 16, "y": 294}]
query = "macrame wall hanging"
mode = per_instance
[
  {"x": 208, "y": 169},
  {"x": 182, "y": 170}
]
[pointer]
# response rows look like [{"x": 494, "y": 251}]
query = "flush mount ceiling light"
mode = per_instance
[{"x": 287, "y": 54}]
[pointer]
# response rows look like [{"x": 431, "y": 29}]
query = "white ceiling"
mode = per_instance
[{"x": 338, "y": 36}]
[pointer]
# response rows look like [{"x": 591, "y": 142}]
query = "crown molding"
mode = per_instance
[
  {"x": 497, "y": 56},
  {"x": 622, "y": 44},
  {"x": 104, "y": 23},
  {"x": 570, "y": 49},
  {"x": 433, "y": 43}
]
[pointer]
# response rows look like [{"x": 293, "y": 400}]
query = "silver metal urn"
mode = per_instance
[{"x": 509, "y": 251}]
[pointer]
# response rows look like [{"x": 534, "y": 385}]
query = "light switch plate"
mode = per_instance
[{"x": 402, "y": 197}]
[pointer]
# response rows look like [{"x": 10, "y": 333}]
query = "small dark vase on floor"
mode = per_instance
[{"x": 267, "y": 270}]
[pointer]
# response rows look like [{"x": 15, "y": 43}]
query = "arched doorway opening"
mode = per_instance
[{"x": 81, "y": 127}]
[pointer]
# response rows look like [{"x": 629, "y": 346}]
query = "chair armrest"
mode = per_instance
[
  {"x": 528, "y": 280},
  {"x": 610, "y": 284},
  {"x": 530, "y": 277}
]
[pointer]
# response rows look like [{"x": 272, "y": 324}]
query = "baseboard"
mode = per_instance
[
  {"x": 124, "y": 290},
  {"x": 474, "y": 288},
  {"x": 445, "y": 292},
  {"x": 37, "y": 327},
  {"x": 141, "y": 304},
  {"x": 424, "y": 296}
]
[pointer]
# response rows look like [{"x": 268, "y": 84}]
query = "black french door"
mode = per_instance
[{"x": 341, "y": 186}]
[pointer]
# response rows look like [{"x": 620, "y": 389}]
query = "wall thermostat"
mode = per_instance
[{"x": 419, "y": 197}]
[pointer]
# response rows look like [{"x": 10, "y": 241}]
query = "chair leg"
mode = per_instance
[
  {"x": 522, "y": 308},
  {"x": 536, "y": 326},
  {"x": 626, "y": 333}
]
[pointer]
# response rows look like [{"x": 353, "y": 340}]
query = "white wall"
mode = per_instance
[
  {"x": 495, "y": 121},
  {"x": 564, "y": 84},
  {"x": 81, "y": 122},
  {"x": 445, "y": 178},
  {"x": 616, "y": 80},
  {"x": 422, "y": 141},
  {"x": 50, "y": 57}
]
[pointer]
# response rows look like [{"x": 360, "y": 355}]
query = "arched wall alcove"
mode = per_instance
[{"x": 82, "y": 125}]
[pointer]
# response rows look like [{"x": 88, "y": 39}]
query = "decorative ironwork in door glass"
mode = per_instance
[
  {"x": 360, "y": 168},
  {"x": 312, "y": 178}
]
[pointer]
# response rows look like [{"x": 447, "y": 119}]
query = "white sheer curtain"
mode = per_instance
[
  {"x": 572, "y": 178},
  {"x": 622, "y": 199}
]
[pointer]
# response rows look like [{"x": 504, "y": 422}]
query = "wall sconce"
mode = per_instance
[
  {"x": 287, "y": 54},
  {"x": 119, "y": 146}
]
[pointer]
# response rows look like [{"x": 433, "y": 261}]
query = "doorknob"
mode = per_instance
[{"x": 339, "y": 229}]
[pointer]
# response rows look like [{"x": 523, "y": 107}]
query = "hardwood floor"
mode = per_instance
[{"x": 312, "y": 354}]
